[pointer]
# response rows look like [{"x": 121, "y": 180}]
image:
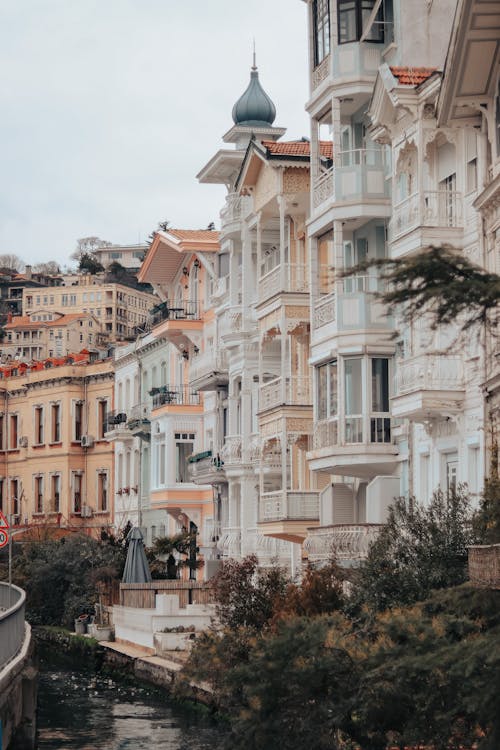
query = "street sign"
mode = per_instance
[
  {"x": 3, "y": 521},
  {"x": 4, "y": 538}
]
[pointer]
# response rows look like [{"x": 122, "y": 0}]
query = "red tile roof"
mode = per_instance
[
  {"x": 203, "y": 235},
  {"x": 412, "y": 76},
  {"x": 297, "y": 148},
  {"x": 24, "y": 321}
]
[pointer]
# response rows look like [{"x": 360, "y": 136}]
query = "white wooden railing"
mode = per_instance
[
  {"x": 292, "y": 390},
  {"x": 289, "y": 505},
  {"x": 428, "y": 208},
  {"x": 341, "y": 541},
  {"x": 436, "y": 372}
]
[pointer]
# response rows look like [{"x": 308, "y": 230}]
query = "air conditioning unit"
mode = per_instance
[
  {"x": 23, "y": 441},
  {"x": 86, "y": 511},
  {"x": 87, "y": 441}
]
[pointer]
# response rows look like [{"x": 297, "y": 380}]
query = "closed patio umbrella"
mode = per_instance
[{"x": 136, "y": 568}]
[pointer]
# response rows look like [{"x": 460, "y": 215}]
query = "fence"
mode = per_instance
[
  {"x": 12, "y": 604},
  {"x": 142, "y": 595},
  {"x": 484, "y": 566}
]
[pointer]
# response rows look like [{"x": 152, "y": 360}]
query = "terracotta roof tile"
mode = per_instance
[
  {"x": 203, "y": 235},
  {"x": 297, "y": 148},
  {"x": 412, "y": 76},
  {"x": 22, "y": 321}
]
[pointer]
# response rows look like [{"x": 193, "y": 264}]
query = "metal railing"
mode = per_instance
[
  {"x": 323, "y": 188},
  {"x": 12, "y": 606},
  {"x": 292, "y": 390},
  {"x": 174, "y": 310},
  {"x": 342, "y": 541},
  {"x": 294, "y": 277},
  {"x": 427, "y": 208},
  {"x": 324, "y": 311},
  {"x": 182, "y": 395},
  {"x": 212, "y": 360},
  {"x": 115, "y": 419},
  {"x": 435, "y": 372},
  {"x": 289, "y": 505}
]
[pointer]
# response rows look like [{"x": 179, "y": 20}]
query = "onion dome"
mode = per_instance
[{"x": 254, "y": 107}]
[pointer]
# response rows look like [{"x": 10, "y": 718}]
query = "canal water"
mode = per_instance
[{"x": 85, "y": 711}]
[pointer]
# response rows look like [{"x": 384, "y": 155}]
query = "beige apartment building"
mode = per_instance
[
  {"x": 56, "y": 467},
  {"x": 46, "y": 333},
  {"x": 121, "y": 309}
]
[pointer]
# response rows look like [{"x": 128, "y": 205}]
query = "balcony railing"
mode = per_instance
[
  {"x": 211, "y": 361},
  {"x": 324, "y": 311},
  {"x": 320, "y": 72},
  {"x": 323, "y": 188},
  {"x": 231, "y": 211},
  {"x": 352, "y": 429},
  {"x": 289, "y": 505},
  {"x": 174, "y": 310},
  {"x": 428, "y": 208},
  {"x": 294, "y": 277},
  {"x": 182, "y": 395},
  {"x": 115, "y": 420},
  {"x": 293, "y": 390},
  {"x": 341, "y": 541},
  {"x": 360, "y": 173},
  {"x": 231, "y": 452},
  {"x": 206, "y": 465},
  {"x": 433, "y": 372},
  {"x": 12, "y": 604}
]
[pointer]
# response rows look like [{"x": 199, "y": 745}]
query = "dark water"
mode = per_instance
[{"x": 79, "y": 711}]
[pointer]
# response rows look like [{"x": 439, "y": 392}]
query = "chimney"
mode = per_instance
[
  {"x": 9, "y": 317},
  {"x": 27, "y": 272}
]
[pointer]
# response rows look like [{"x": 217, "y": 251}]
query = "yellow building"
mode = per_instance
[
  {"x": 47, "y": 333},
  {"x": 121, "y": 309},
  {"x": 56, "y": 468}
]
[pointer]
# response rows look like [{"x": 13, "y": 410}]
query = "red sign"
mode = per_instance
[
  {"x": 3, "y": 521},
  {"x": 4, "y": 538}
]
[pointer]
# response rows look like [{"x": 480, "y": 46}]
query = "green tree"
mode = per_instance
[
  {"x": 88, "y": 263},
  {"x": 161, "y": 555},
  {"x": 419, "y": 549},
  {"x": 247, "y": 595}
]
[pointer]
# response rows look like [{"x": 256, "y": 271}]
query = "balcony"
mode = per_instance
[
  {"x": 428, "y": 386},
  {"x": 360, "y": 179},
  {"x": 173, "y": 311},
  {"x": 205, "y": 468},
  {"x": 291, "y": 391},
  {"x": 347, "y": 543},
  {"x": 166, "y": 395},
  {"x": 231, "y": 214},
  {"x": 427, "y": 218},
  {"x": 354, "y": 446},
  {"x": 208, "y": 371},
  {"x": 323, "y": 188},
  {"x": 286, "y": 514},
  {"x": 139, "y": 422},
  {"x": 231, "y": 453},
  {"x": 320, "y": 72},
  {"x": 220, "y": 289},
  {"x": 324, "y": 311},
  {"x": 291, "y": 277},
  {"x": 116, "y": 426},
  {"x": 353, "y": 306}
]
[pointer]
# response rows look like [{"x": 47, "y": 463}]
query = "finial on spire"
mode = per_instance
[{"x": 254, "y": 66}]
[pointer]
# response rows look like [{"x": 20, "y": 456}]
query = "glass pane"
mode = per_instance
[
  {"x": 333, "y": 406},
  {"x": 380, "y": 385},
  {"x": 347, "y": 21},
  {"x": 322, "y": 392},
  {"x": 353, "y": 386}
]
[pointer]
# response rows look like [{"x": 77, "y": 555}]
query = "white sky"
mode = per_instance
[{"x": 109, "y": 108}]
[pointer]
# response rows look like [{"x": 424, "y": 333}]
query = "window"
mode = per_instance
[
  {"x": 102, "y": 490},
  {"x": 353, "y": 400},
  {"x": 77, "y": 492},
  {"x": 321, "y": 29},
  {"x": 13, "y": 428},
  {"x": 78, "y": 424},
  {"x": 451, "y": 472},
  {"x": 326, "y": 262},
  {"x": 115, "y": 256},
  {"x": 64, "y": 300},
  {"x": 471, "y": 151},
  {"x": 354, "y": 17},
  {"x": 38, "y": 425},
  {"x": 1, "y": 433},
  {"x": 380, "y": 426},
  {"x": 39, "y": 494},
  {"x": 55, "y": 493},
  {"x": 184, "y": 445},
  {"x": 102, "y": 417},
  {"x": 14, "y": 498},
  {"x": 72, "y": 299},
  {"x": 424, "y": 478},
  {"x": 327, "y": 390},
  {"x": 56, "y": 423}
]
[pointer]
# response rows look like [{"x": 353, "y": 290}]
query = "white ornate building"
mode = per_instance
[{"x": 412, "y": 152}]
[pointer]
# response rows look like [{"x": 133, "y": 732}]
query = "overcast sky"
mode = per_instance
[{"x": 109, "y": 108}]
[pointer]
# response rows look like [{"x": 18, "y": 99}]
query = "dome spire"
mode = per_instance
[{"x": 254, "y": 107}]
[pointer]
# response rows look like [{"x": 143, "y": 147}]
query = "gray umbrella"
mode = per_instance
[{"x": 136, "y": 566}]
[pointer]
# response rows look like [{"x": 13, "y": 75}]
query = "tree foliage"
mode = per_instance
[
  {"x": 49, "y": 267},
  {"x": 11, "y": 262},
  {"x": 89, "y": 263},
  {"x": 60, "y": 576},
  {"x": 419, "y": 549},
  {"x": 439, "y": 282},
  {"x": 88, "y": 246},
  {"x": 247, "y": 596},
  {"x": 487, "y": 520}
]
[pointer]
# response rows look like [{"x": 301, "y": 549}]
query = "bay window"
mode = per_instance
[
  {"x": 365, "y": 19},
  {"x": 321, "y": 30}
]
